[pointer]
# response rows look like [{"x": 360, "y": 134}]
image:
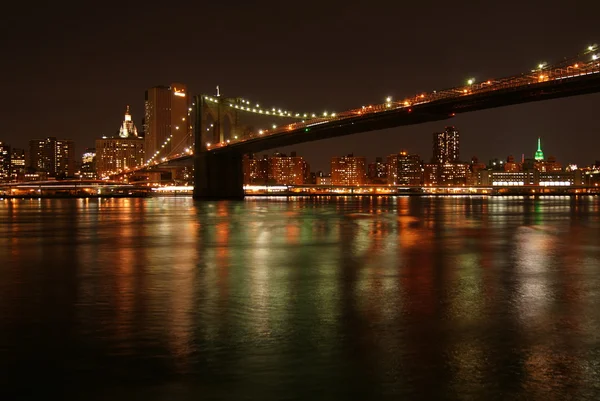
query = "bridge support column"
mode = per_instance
[{"x": 218, "y": 176}]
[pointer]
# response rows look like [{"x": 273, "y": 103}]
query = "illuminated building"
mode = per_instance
[
  {"x": 119, "y": 153},
  {"x": 278, "y": 169},
  {"x": 56, "y": 157},
  {"x": 167, "y": 128},
  {"x": 392, "y": 169},
  {"x": 377, "y": 171},
  {"x": 348, "y": 170},
  {"x": 324, "y": 180},
  {"x": 452, "y": 174},
  {"x": 510, "y": 166},
  {"x": 498, "y": 178},
  {"x": 430, "y": 174},
  {"x": 128, "y": 128},
  {"x": 288, "y": 170},
  {"x": 446, "y": 146},
  {"x": 539, "y": 155},
  {"x": 255, "y": 170},
  {"x": 409, "y": 170},
  {"x": 549, "y": 165},
  {"x": 17, "y": 164},
  {"x": 88, "y": 164},
  {"x": 5, "y": 164}
]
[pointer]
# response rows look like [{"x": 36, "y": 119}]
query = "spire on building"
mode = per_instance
[
  {"x": 128, "y": 127},
  {"x": 539, "y": 155}
]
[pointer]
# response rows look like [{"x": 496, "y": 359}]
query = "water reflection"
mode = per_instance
[{"x": 314, "y": 298}]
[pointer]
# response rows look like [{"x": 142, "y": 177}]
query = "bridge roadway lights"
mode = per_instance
[{"x": 218, "y": 176}]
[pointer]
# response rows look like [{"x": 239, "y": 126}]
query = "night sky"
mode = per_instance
[{"x": 69, "y": 71}]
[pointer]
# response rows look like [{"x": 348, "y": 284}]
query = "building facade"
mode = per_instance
[
  {"x": 5, "y": 162},
  {"x": 409, "y": 170},
  {"x": 88, "y": 164},
  {"x": 55, "y": 157},
  {"x": 17, "y": 164},
  {"x": 288, "y": 170},
  {"x": 446, "y": 146},
  {"x": 348, "y": 170},
  {"x": 377, "y": 171}
]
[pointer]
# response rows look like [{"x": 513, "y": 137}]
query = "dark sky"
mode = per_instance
[{"x": 69, "y": 71}]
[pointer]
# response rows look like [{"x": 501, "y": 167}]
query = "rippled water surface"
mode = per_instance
[{"x": 304, "y": 299}]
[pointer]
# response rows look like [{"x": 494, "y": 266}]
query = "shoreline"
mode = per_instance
[{"x": 273, "y": 195}]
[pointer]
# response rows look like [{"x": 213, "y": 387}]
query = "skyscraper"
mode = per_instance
[
  {"x": 539, "y": 155},
  {"x": 166, "y": 126},
  {"x": 446, "y": 146}
]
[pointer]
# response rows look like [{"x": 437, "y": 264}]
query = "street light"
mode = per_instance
[{"x": 471, "y": 81}]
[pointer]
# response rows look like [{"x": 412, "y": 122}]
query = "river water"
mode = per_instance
[{"x": 433, "y": 298}]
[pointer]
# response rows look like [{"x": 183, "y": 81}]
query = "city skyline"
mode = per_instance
[{"x": 86, "y": 89}]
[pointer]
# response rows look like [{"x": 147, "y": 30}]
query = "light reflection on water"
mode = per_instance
[{"x": 430, "y": 298}]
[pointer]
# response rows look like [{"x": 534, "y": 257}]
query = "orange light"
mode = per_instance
[
  {"x": 489, "y": 82},
  {"x": 576, "y": 66},
  {"x": 465, "y": 91}
]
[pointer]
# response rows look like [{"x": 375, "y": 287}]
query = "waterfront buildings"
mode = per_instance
[{"x": 278, "y": 169}]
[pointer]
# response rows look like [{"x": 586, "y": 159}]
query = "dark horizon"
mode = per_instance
[{"x": 71, "y": 71}]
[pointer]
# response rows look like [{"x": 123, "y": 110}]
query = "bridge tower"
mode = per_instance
[{"x": 217, "y": 174}]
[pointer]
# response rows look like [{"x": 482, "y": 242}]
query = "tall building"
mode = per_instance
[
  {"x": 256, "y": 170},
  {"x": 348, "y": 170},
  {"x": 56, "y": 157},
  {"x": 119, "y": 153},
  {"x": 5, "y": 162},
  {"x": 167, "y": 129},
  {"x": 446, "y": 146},
  {"x": 88, "y": 163},
  {"x": 17, "y": 164},
  {"x": 377, "y": 171},
  {"x": 392, "y": 169},
  {"x": 288, "y": 170},
  {"x": 409, "y": 170},
  {"x": 539, "y": 155},
  {"x": 128, "y": 128}
]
